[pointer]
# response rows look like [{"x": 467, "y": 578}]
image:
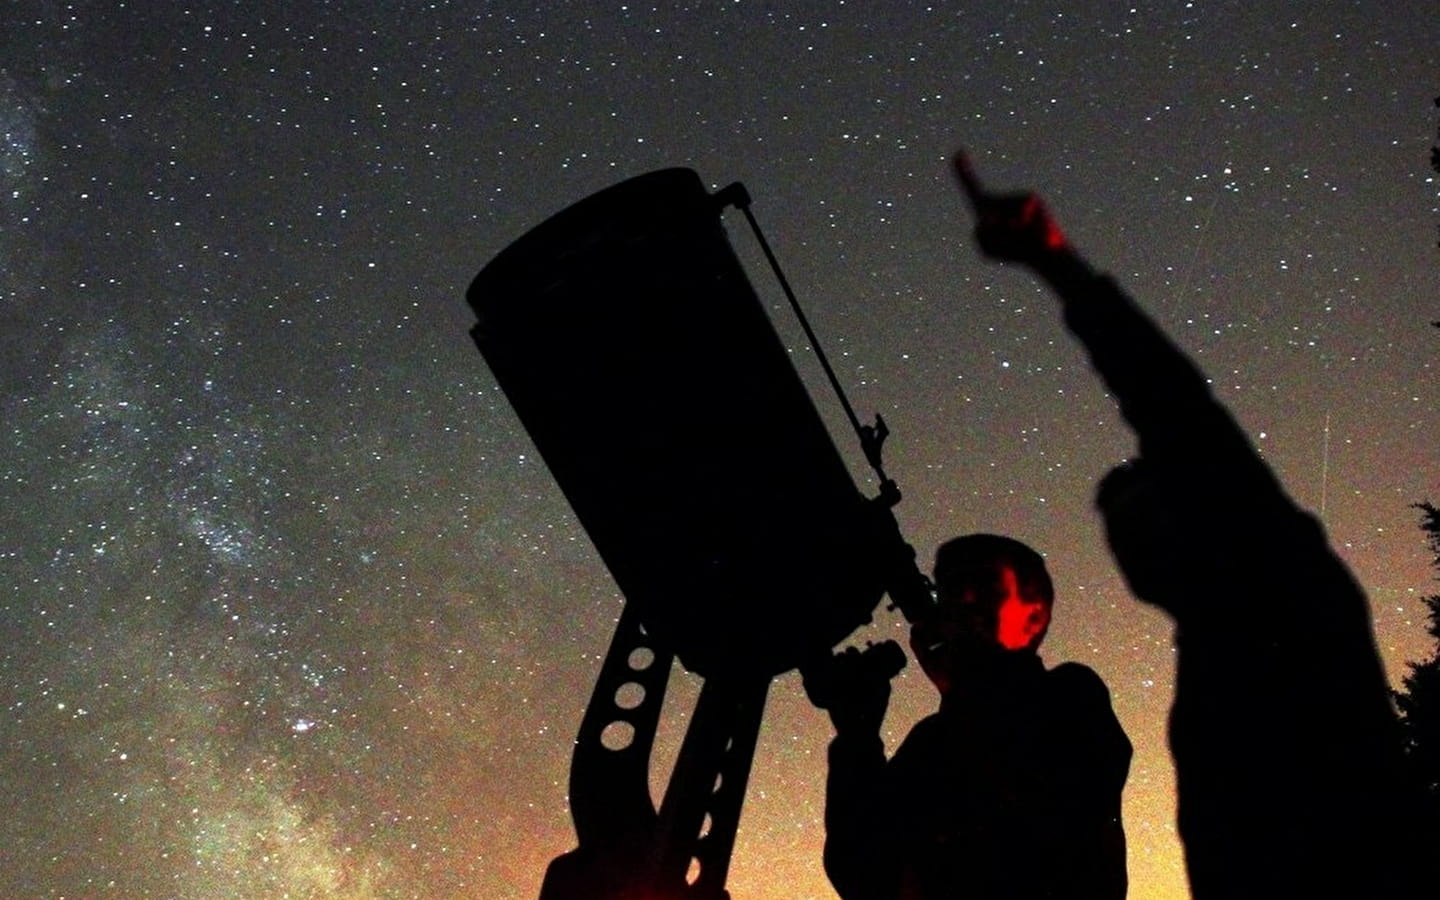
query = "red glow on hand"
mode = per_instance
[
  {"x": 1035, "y": 217},
  {"x": 1054, "y": 237},
  {"x": 1014, "y": 226}
]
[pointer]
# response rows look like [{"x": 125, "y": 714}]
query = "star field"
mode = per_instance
[{"x": 291, "y": 605}]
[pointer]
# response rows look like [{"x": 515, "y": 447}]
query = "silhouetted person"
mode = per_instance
[
  {"x": 1013, "y": 788},
  {"x": 1285, "y": 745}
]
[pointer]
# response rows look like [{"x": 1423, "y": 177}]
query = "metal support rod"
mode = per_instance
[{"x": 871, "y": 437}]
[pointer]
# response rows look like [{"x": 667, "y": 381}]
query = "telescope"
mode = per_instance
[{"x": 629, "y": 340}]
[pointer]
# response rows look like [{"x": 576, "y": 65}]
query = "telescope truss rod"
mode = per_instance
[{"x": 871, "y": 436}]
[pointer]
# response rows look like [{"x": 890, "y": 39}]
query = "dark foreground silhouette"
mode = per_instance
[
  {"x": 1287, "y": 752},
  {"x": 1013, "y": 788},
  {"x": 1286, "y": 748}
]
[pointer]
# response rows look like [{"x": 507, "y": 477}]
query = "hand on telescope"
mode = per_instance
[
  {"x": 1012, "y": 227},
  {"x": 854, "y": 686}
]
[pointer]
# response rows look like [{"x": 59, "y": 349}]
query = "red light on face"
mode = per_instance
[
  {"x": 982, "y": 606},
  {"x": 1018, "y": 620}
]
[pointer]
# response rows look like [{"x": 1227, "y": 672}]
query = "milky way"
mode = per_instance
[{"x": 291, "y": 605}]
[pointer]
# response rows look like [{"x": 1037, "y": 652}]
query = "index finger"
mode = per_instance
[{"x": 969, "y": 183}]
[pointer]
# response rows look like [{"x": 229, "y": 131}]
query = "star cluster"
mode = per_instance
[{"x": 292, "y": 606}]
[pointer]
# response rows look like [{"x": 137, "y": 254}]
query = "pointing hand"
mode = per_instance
[{"x": 1010, "y": 227}]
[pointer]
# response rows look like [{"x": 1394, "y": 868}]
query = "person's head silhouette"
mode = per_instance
[{"x": 995, "y": 599}]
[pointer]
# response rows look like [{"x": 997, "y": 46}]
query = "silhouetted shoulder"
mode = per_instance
[
  {"x": 1079, "y": 682},
  {"x": 922, "y": 748},
  {"x": 1079, "y": 677},
  {"x": 1081, "y": 703}
]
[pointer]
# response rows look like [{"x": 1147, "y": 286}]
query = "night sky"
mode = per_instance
[{"x": 291, "y": 606}]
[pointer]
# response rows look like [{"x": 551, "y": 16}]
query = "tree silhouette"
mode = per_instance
[{"x": 1419, "y": 702}]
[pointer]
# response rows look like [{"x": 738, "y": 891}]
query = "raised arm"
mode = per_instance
[{"x": 1163, "y": 397}]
